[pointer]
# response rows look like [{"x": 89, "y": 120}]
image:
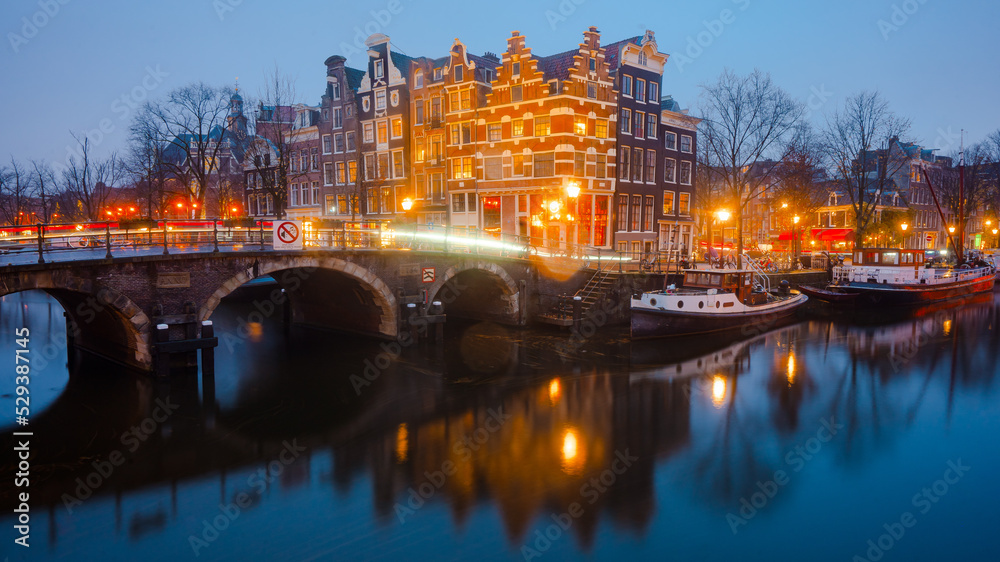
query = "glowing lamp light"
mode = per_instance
[
  {"x": 951, "y": 229},
  {"x": 234, "y": 209},
  {"x": 784, "y": 205},
  {"x": 795, "y": 219},
  {"x": 988, "y": 222},
  {"x": 723, "y": 215},
  {"x": 407, "y": 204},
  {"x": 994, "y": 231},
  {"x": 180, "y": 205},
  {"x": 573, "y": 190},
  {"x": 131, "y": 209},
  {"x": 904, "y": 226}
]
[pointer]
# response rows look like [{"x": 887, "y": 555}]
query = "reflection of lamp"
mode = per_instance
[
  {"x": 791, "y": 369},
  {"x": 554, "y": 390},
  {"x": 718, "y": 391}
]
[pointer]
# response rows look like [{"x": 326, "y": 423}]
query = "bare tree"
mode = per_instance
[
  {"x": 90, "y": 181},
  {"x": 963, "y": 201},
  {"x": 746, "y": 120},
  {"x": 861, "y": 144},
  {"x": 44, "y": 179},
  {"x": 799, "y": 181},
  {"x": 269, "y": 154},
  {"x": 192, "y": 124},
  {"x": 146, "y": 161},
  {"x": 15, "y": 193}
]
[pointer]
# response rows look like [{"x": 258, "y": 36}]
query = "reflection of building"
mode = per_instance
[{"x": 548, "y": 153}]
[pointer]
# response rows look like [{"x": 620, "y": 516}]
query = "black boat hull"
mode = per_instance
[{"x": 873, "y": 294}]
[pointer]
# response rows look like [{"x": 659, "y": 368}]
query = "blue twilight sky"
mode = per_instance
[{"x": 935, "y": 61}]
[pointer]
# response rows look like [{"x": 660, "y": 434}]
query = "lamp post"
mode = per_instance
[
  {"x": 721, "y": 216},
  {"x": 904, "y": 226},
  {"x": 995, "y": 243},
  {"x": 795, "y": 242}
]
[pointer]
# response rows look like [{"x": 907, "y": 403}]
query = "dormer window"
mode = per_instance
[
  {"x": 336, "y": 90},
  {"x": 642, "y": 59},
  {"x": 379, "y": 71},
  {"x": 437, "y": 73},
  {"x": 418, "y": 79}
]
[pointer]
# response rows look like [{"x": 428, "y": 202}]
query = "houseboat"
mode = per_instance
[
  {"x": 895, "y": 277},
  {"x": 713, "y": 301}
]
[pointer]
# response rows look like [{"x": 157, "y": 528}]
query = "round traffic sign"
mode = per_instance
[{"x": 288, "y": 232}]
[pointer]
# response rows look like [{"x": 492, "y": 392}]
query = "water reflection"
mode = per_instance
[{"x": 431, "y": 451}]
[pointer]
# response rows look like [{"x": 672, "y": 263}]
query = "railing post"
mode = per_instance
[
  {"x": 165, "y": 252},
  {"x": 107, "y": 239},
  {"x": 262, "y": 233},
  {"x": 215, "y": 235},
  {"x": 41, "y": 242},
  {"x": 343, "y": 235}
]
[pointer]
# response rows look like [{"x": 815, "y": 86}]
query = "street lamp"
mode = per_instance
[
  {"x": 904, "y": 226},
  {"x": 995, "y": 243},
  {"x": 407, "y": 204},
  {"x": 573, "y": 189},
  {"x": 795, "y": 241},
  {"x": 721, "y": 216}
]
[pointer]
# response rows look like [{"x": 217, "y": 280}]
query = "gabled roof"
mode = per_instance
[
  {"x": 354, "y": 77},
  {"x": 401, "y": 62},
  {"x": 557, "y": 66},
  {"x": 613, "y": 51}
]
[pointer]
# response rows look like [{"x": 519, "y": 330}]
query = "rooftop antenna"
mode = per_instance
[{"x": 237, "y": 84}]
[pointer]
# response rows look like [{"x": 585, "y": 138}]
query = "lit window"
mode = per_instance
[{"x": 580, "y": 125}]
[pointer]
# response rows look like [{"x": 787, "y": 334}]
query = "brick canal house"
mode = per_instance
[
  {"x": 340, "y": 139},
  {"x": 652, "y": 210},
  {"x": 468, "y": 83},
  {"x": 385, "y": 117},
  {"x": 427, "y": 165},
  {"x": 549, "y": 173},
  {"x": 676, "y": 224}
]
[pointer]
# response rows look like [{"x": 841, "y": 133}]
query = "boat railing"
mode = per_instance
[{"x": 758, "y": 272}]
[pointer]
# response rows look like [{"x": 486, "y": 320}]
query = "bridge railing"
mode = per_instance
[{"x": 123, "y": 238}]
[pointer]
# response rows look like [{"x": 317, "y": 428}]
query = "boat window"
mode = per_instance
[
  {"x": 871, "y": 258},
  {"x": 890, "y": 258},
  {"x": 857, "y": 258},
  {"x": 732, "y": 279},
  {"x": 907, "y": 257}
]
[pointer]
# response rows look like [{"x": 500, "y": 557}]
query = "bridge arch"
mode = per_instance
[
  {"x": 478, "y": 288},
  {"x": 315, "y": 273},
  {"x": 99, "y": 319}
]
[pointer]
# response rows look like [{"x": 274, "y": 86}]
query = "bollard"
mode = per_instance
[
  {"x": 41, "y": 242},
  {"x": 577, "y": 310},
  {"x": 107, "y": 239},
  {"x": 411, "y": 313},
  {"x": 162, "y": 358},
  {"x": 261, "y": 234},
  {"x": 207, "y": 353},
  {"x": 215, "y": 236},
  {"x": 165, "y": 252},
  {"x": 438, "y": 326}
]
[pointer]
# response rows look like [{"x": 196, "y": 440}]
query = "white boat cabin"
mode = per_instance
[
  {"x": 738, "y": 282},
  {"x": 894, "y": 266}
]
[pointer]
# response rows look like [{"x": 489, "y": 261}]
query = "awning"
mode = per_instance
[
  {"x": 789, "y": 236},
  {"x": 833, "y": 234}
]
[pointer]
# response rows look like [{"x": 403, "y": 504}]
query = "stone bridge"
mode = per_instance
[{"x": 113, "y": 305}]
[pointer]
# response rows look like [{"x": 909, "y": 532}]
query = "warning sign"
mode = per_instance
[
  {"x": 287, "y": 235},
  {"x": 427, "y": 274}
]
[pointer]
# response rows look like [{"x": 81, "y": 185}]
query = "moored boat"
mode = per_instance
[
  {"x": 713, "y": 301},
  {"x": 895, "y": 277}
]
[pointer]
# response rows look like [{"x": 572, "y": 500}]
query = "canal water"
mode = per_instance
[{"x": 833, "y": 438}]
